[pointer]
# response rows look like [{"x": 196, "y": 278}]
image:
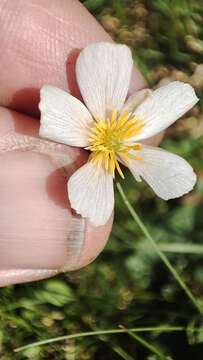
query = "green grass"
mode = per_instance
[{"x": 93, "y": 311}]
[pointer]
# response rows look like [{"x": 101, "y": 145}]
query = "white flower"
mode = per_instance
[{"x": 113, "y": 131}]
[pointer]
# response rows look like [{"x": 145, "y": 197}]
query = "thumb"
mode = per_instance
[{"x": 57, "y": 29}]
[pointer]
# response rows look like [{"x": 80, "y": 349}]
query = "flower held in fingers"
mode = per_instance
[{"x": 112, "y": 130}]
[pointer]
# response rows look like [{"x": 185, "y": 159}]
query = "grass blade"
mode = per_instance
[
  {"x": 174, "y": 248},
  {"x": 122, "y": 353},
  {"x": 147, "y": 345},
  {"x": 180, "y": 248},
  {"x": 158, "y": 329}
]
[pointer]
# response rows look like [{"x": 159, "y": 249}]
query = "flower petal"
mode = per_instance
[
  {"x": 136, "y": 99},
  {"x": 163, "y": 107},
  {"x": 169, "y": 175},
  {"x": 103, "y": 73},
  {"x": 64, "y": 119},
  {"x": 91, "y": 194}
]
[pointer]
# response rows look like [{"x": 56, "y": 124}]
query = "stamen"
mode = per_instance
[
  {"x": 109, "y": 141},
  {"x": 114, "y": 116},
  {"x": 119, "y": 169}
]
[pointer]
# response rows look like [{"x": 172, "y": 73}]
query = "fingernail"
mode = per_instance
[
  {"x": 75, "y": 243},
  {"x": 15, "y": 276},
  {"x": 85, "y": 242}
]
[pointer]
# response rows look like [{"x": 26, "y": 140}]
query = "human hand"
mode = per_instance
[{"x": 39, "y": 42}]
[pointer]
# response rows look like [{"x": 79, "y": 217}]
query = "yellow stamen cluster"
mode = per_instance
[{"x": 109, "y": 140}]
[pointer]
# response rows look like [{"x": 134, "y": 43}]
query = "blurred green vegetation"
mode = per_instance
[{"x": 128, "y": 285}]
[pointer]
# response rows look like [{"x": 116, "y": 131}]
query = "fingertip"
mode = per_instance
[
  {"x": 138, "y": 81},
  {"x": 154, "y": 140}
]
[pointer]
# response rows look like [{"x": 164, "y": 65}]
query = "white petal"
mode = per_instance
[
  {"x": 169, "y": 175},
  {"x": 163, "y": 107},
  {"x": 91, "y": 194},
  {"x": 64, "y": 119},
  {"x": 103, "y": 73},
  {"x": 136, "y": 99}
]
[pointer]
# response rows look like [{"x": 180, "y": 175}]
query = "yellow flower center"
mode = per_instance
[{"x": 108, "y": 140}]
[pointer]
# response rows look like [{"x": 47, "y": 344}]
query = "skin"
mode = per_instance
[{"x": 39, "y": 43}]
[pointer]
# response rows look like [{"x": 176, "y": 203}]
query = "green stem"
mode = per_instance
[
  {"x": 101, "y": 332},
  {"x": 158, "y": 250}
]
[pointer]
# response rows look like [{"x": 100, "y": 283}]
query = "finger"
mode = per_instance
[
  {"x": 36, "y": 224},
  {"x": 16, "y": 276},
  {"x": 36, "y": 44}
]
